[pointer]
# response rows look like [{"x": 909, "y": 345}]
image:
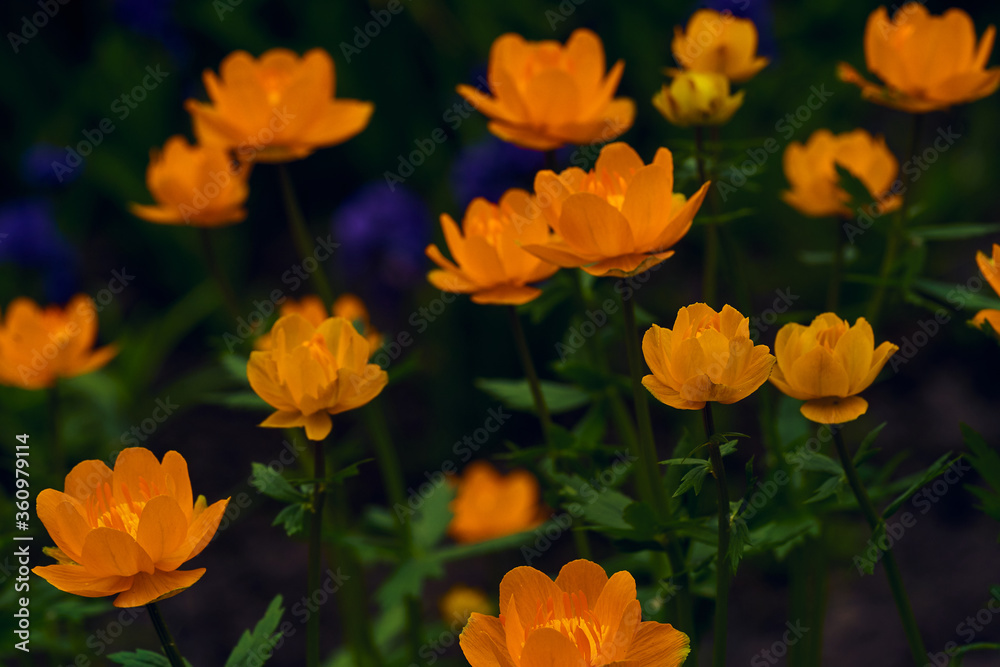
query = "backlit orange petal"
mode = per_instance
[
  {"x": 162, "y": 527},
  {"x": 138, "y": 471},
  {"x": 834, "y": 410},
  {"x": 108, "y": 552},
  {"x": 585, "y": 576},
  {"x": 658, "y": 645},
  {"x": 86, "y": 477},
  {"x": 819, "y": 374},
  {"x": 78, "y": 581},
  {"x": 482, "y": 641},
  {"x": 178, "y": 481},
  {"x": 159, "y": 585},
  {"x": 63, "y": 517},
  {"x": 546, "y": 647},
  {"x": 527, "y": 588}
]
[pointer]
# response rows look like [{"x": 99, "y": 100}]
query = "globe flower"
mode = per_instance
[
  {"x": 277, "y": 108},
  {"x": 707, "y": 356},
  {"x": 37, "y": 345},
  {"x": 582, "y": 618},
  {"x": 697, "y": 98},
  {"x": 718, "y": 42},
  {"x": 314, "y": 371},
  {"x": 311, "y": 307},
  {"x": 490, "y": 263},
  {"x": 545, "y": 95},
  {"x": 127, "y": 530},
  {"x": 827, "y": 364},
  {"x": 618, "y": 219},
  {"x": 194, "y": 185},
  {"x": 461, "y": 601},
  {"x": 926, "y": 63},
  {"x": 811, "y": 169},
  {"x": 990, "y": 266},
  {"x": 488, "y": 505}
]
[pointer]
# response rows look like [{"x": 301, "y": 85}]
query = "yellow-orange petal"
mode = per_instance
[
  {"x": 527, "y": 588},
  {"x": 318, "y": 425},
  {"x": 63, "y": 518},
  {"x": 162, "y": 527},
  {"x": 658, "y": 645},
  {"x": 137, "y": 470},
  {"x": 834, "y": 410},
  {"x": 991, "y": 317},
  {"x": 159, "y": 585},
  {"x": 514, "y": 295},
  {"x": 178, "y": 481},
  {"x": 85, "y": 478},
  {"x": 585, "y": 576},
  {"x": 818, "y": 373},
  {"x": 76, "y": 580},
  {"x": 204, "y": 523},
  {"x": 112, "y": 553},
  {"x": 483, "y": 642},
  {"x": 546, "y": 647}
]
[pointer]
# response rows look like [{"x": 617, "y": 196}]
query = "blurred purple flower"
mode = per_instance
[
  {"x": 383, "y": 234},
  {"x": 491, "y": 167},
  {"x": 153, "y": 18},
  {"x": 29, "y": 238},
  {"x": 758, "y": 11},
  {"x": 36, "y": 165}
]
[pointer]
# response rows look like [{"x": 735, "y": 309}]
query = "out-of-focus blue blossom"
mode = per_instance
[
  {"x": 153, "y": 18},
  {"x": 36, "y": 165},
  {"x": 762, "y": 15},
  {"x": 491, "y": 167},
  {"x": 29, "y": 238},
  {"x": 383, "y": 233}
]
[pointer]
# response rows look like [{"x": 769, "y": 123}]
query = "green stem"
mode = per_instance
[
  {"x": 301, "y": 237},
  {"x": 529, "y": 369},
  {"x": 710, "y": 267},
  {"x": 833, "y": 292},
  {"x": 723, "y": 571},
  {"x": 875, "y": 522},
  {"x": 392, "y": 476},
  {"x": 218, "y": 275},
  {"x": 895, "y": 234},
  {"x": 166, "y": 640},
  {"x": 315, "y": 552}
]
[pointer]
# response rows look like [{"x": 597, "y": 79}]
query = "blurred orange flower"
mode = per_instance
[
  {"x": 194, "y": 185},
  {"x": 927, "y": 63},
  {"x": 718, "y": 42},
  {"x": 311, "y": 307},
  {"x": 489, "y": 262},
  {"x": 314, "y": 371},
  {"x": 488, "y": 505},
  {"x": 127, "y": 530},
  {"x": 827, "y": 364},
  {"x": 583, "y": 618},
  {"x": 461, "y": 601},
  {"x": 39, "y": 345},
  {"x": 277, "y": 108},
  {"x": 990, "y": 266},
  {"x": 707, "y": 356},
  {"x": 545, "y": 95},
  {"x": 811, "y": 171},
  {"x": 697, "y": 98},
  {"x": 618, "y": 219}
]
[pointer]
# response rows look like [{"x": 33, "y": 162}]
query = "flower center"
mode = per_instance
[
  {"x": 577, "y": 622},
  {"x": 103, "y": 511}
]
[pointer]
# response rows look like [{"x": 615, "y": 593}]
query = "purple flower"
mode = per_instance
[
  {"x": 491, "y": 167},
  {"x": 29, "y": 238},
  {"x": 383, "y": 233},
  {"x": 36, "y": 165}
]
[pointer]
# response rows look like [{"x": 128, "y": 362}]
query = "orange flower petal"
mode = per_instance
[
  {"x": 658, "y": 645},
  {"x": 156, "y": 586},
  {"x": 482, "y": 641},
  {"x": 583, "y": 575},
  {"x": 108, "y": 552},
  {"x": 546, "y": 647},
  {"x": 834, "y": 410},
  {"x": 77, "y": 580},
  {"x": 162, "y": 527}
]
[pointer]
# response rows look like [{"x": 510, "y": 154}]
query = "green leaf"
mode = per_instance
[
  {"x": 954, "y": 231},
  {"x": 724, "y": 217},
  {"x": 408, "y": 580},
  {"x": 272, "y": 484},
  {"x": 957, "y": 296},
  {"x": 141, "y": 658},
  {"x": 516, "y": 394},
  {"x": 828, "y": 488},
  {"x": 817, "y": 462},
  {"x": 433, "y": 517},
  {"x": 935, "y": 469},
  {"x": 878, "y": 537},
  {"x": 866, "y": 444},
  {"x": 252, "y": 647},
  {"x": 240, "y": 400},
  {"x": 825, "y": 257},
  {"x": 855, "y": 188},
  {"x": 986, "y": 462},
  {"x": 739, "y": 540},
  {"x": 692, "y": 480},
  {"x": 347, "y": 472},
  {"x": 292, "y": 518}
]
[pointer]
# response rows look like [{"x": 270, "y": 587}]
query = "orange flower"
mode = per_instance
[
  {"x": 311, "y": 307},
  {"x": 277, "y": 108},
  {"x": 194, "y": 185},
  {"x": 827, "y": 364},
  {"x": 489, "y": 261},
  {"x": 461, "y": 601},
  {"x": 37, "y": 346},
  {"x": 718, "y": 42},
  {"x": 990, "y": 266},
  {"x": 489, "y": 505},
  {"x": 582, "y": 619},
  {"x": 545, "y": 95},
  {"x": 312, "y": 372},
  {"x": 127, "y": 530},
  {"x": 811, "y": 170},
  {"x": 618, "y": 219},
  {"x": 927, "y": 63},
  {"x": 707, "y": 356}
]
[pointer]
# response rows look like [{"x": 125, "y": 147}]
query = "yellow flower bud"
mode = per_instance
[{"x": 697, "y": 98}]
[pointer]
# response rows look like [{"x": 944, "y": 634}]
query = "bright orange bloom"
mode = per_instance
[
  {"x": 811, "y": 170},
  {"x": 545, "y": 95},
  {"x": 277, "y": 108},
  {"x": 489, "y": 262},
  {"x": 127, "y": 530},
  {"x": 707, "y": 356},
  {"x": 194, "y": 185},
  {"x": 618, "y": 219},
  {"x": 461, "y": 601},
  {"x": 488, "y": 505},
  {"x": 312, "y": 372},
  {"x": 827, "y": 364},
  {"x": 697, "y": 98},
  {"x": 990, "y": 266},
  {"x": 718, "y": 42},
  {"x": 582, "y": 619},
  {"x": 927, "y": 63},
  {"x": 37, "y": 346},
  {"x": 311, "y": 307}
]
